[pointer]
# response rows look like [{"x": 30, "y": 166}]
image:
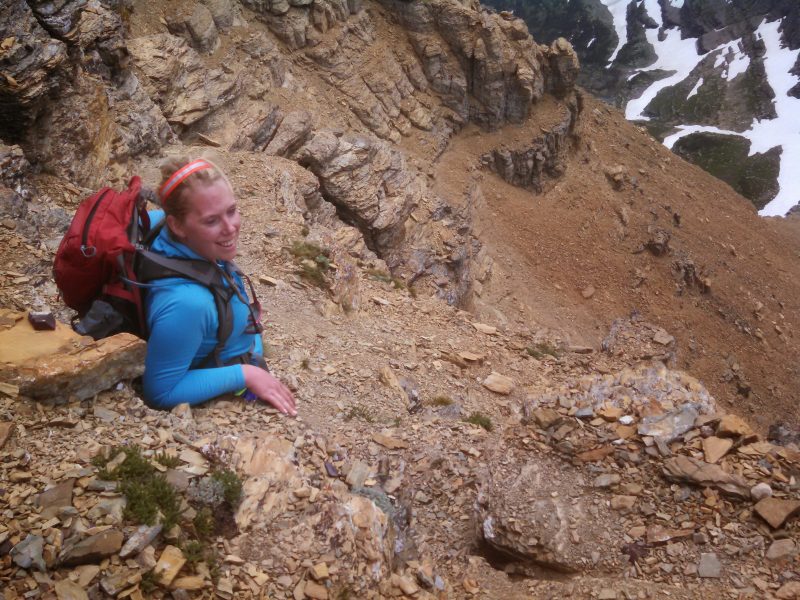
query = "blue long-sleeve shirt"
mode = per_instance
[{"x": 182, "y": 320}]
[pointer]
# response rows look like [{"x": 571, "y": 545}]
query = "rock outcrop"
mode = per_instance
[
  {"x": 29, "y": 68},
  {"x": 531, "y": 166}
]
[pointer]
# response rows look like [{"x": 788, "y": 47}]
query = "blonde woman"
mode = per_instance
[{"x": 186, "y": 359}]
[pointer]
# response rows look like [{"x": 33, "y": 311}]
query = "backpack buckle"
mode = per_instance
[{"x": 88, "y": 251}]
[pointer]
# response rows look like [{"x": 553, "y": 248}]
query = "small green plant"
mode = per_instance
[
  {"x": 383, "y": 276},
  {"x": 135, "y": 466},
  {"x": 231, "y": 486},
  {"x": 314, "y": 262},
  {"x": 194, "y": 552},
  {"x": 359, "y": 412},
  {"x": 148, "y": 493},
  {"x": 212, "y": 560},
  {"x": 480, "y": 419},
  {"x": 169, "y": 461},
  {"x": 204, "y": 523},
  {"x": 149, "y": 497},
  {"x": 344, "y": 594},
  {"x": 306, "y": 363},
  {"x": 100, "y": 461},
  {"x": 541, "y": 349},
  {"x": 441, "y": 401},
  {"x": 148, "y": 583}
]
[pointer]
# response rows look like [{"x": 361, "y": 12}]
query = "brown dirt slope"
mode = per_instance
[{"x": 738, "y": 334}]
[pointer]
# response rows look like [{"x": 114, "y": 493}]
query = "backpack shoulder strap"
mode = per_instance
[{"x": 152, "y": 266}]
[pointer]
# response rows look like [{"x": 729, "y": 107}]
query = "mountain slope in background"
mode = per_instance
[{"x": 715, "y": 80}]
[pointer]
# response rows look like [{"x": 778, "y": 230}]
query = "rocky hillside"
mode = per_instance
[
  {"x": 717, "y": 80},
  {"x": 536, "y": 353}
]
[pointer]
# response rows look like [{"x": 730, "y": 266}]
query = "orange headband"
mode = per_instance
[{"x": 180, "y": 175}]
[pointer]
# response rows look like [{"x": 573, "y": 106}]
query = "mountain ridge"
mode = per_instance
[{"x": 719, "y": 79}]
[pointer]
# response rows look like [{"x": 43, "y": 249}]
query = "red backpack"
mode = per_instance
[{"x": 97, "y": 255}]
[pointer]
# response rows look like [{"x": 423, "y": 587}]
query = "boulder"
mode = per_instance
[
  {"x": 222, "y": 11},
  {"x": 58, "y": 365},
  {"x": 196, "y": 24},
  {"x": 525, "y": 509},
  {"x": 293, "y": 131}
]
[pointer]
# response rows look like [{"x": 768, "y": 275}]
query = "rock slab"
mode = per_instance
[{"x": 776, "y": 511}]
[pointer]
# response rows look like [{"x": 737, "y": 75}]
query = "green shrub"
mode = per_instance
[
  {"x": 231, "y": 486},
  {"x": 541, "y": 349},
  {"x": 441, "y": 401},
  {"x": 478, "y": 418}
]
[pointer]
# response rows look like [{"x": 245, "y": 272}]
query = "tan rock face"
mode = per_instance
[
  {"x": 168, "y": 565},
  {"x": 175, "y": 77},
  {"x": 56, "y": 365},
  {"x": 733, "y": 426}
]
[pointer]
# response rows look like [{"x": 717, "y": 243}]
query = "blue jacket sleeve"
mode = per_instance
[{"x": 176, "y": 333}]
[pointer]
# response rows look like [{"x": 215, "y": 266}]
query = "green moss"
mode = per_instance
[
  {"x": 169, "y": 461},
  {"x": 480, "y": 419},
  {"x": 541, "y": 349},
  {"x": 149, "y": 495},
  {"x": 313, "y": 262},
  {"x": 194, "y": 552},
  {"x": 231, "y": 486},
  {"x": 359, "y": 412},
  {"x": 441, "y": 401},
  {"x": 383, "y": 276},
  {"x": 148, "y": 583},
  {"x": 204, "y": 523},
  {"x": 135, "y": 466}
]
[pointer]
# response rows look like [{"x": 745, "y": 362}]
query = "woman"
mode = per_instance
[{"x": 202, "y": 222}]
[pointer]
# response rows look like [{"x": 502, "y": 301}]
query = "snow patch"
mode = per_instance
[
  {"x": 733, "y": 58},
  {"x": 679, "y": 57},
  {"x": 695, "y": 88},
  {"x": 618, "y": 10},
  {"x": 785, "y": 129}
]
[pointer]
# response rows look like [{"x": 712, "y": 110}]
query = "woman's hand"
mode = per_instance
[{"x": 269, "y": 389}]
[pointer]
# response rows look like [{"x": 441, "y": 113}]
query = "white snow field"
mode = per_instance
[{"x": 680, "y": 56}]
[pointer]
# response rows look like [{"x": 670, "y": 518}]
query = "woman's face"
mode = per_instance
[{"x": 211, "y": 226}]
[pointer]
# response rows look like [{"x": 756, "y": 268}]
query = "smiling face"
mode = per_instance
[{"x": 211, "y": 224}]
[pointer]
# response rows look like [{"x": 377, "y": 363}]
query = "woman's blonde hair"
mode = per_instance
[{"x": 177, "y": 201}]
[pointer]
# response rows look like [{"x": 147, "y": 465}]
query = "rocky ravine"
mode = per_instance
[{"x": 536, "y": 445}]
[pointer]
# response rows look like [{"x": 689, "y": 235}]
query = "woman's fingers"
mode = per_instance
[
  {"x": 269, "y": 389},
  {"x": 283, "y": 399}
]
